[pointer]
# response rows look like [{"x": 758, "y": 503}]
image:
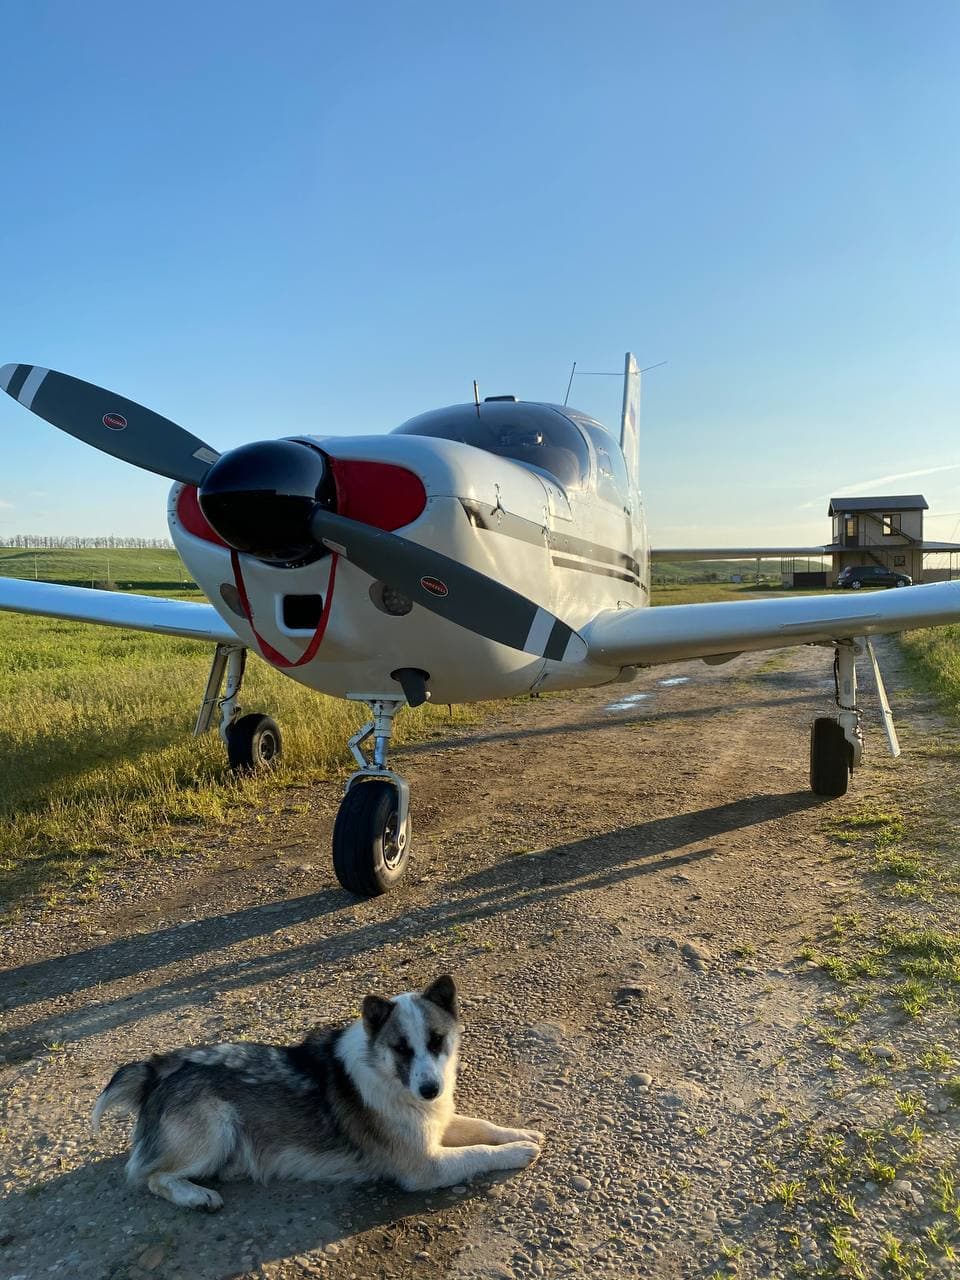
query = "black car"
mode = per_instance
[{"x": 872, "y": 575}]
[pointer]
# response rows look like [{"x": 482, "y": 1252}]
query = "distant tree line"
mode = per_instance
[{"x": 65, "y": 542}]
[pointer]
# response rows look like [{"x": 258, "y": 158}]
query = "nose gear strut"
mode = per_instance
[{"x": 371, "y": 835}]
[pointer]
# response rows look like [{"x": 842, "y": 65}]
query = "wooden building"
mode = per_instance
[{"x": 887, "y": 531}]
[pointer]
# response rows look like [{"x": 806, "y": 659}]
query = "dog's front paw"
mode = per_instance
[
  {"x": 517, "y": 1155},
  {"x": 530, "y": 1135}
]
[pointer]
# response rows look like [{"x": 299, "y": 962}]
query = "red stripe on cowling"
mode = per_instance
[
  {"x": 271, "y": 654},
  {"x": 377, "y": 493}
]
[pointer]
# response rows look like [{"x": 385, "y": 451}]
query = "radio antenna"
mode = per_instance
[
  {"x": 476, "y": 396},
  {"x": 570, "y": 383}
]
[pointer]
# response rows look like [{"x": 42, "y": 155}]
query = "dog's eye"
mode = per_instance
[
  {"x": 435, "y": 1044},
  {"x": 403, "y": 1050}
]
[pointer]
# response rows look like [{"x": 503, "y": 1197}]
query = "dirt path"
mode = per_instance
[{"x": 622, "y": 892}]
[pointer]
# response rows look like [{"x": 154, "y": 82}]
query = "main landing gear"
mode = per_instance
[
  {"x": 253, "y": 741},
  {"x": 836, "y": 746}
]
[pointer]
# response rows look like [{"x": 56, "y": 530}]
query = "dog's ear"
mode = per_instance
[
  {"x": 443, "y": 993},
  {"x": 376, "y": 1011}
]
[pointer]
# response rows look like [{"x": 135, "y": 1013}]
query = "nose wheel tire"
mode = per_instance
[
  {"x": 369, "y": 857},
  {"x": 253, "y": 743},
  {"x": 830, "y": 758}
]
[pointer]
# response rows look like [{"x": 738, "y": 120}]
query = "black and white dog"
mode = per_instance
[{"x": 372, "y": 1099}]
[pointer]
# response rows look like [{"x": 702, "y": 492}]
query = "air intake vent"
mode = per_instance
[
  {"x": 302, "y": 613},
  {"x": 494, "y": 399}
]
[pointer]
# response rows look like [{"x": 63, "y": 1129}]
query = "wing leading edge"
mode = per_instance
[
  {"x": 677, "y": 554},
  {"x": 186, "y": 618},
  {"x": 669, "y": 633}
]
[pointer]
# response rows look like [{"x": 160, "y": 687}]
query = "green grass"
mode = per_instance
[
  {"x": 97, "y": 759},
  {"x": 699, "y": 592},
  {"x": 934, "y": 659},
  {"x": 123, "y": 566},
  {"x": 786, "y": 1191}
]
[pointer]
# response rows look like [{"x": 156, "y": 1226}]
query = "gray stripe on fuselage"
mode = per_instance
[
  {"x": 562, "y": 563},
  {"x": 492, "y": 520}
]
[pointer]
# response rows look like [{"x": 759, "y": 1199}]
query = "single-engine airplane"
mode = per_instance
[{"x": 475, "y": 552}]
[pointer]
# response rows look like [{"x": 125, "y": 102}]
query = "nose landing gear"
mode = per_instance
[{"x": 371, "y": 836}]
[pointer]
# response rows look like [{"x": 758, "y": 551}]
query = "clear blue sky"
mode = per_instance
[{"x": 267, "y": 219}]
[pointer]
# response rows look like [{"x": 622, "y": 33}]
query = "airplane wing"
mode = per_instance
[
  {"x": 186, "y": 618},
  {"x": 677, "y": 554},
  {"x": 670, "y": 633}
]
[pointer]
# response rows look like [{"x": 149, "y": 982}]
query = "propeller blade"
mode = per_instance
[
  {"x": 109, "y": 422},
  {"x": 449, "y": 588},
  {"x": 885, "y": 712}
]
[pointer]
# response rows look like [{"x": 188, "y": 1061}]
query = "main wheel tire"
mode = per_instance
[
  {"x": 367, "y": 856},
  {"x": 830, "y": 756},
  {"x": 856, "y": 584},
  {"x": 253, "y": 743}
]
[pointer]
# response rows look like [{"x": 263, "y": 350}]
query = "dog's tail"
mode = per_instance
[{"x": 127, "y": 1089}]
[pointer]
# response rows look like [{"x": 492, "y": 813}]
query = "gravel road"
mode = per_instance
[{"x": 621, "y": 882}]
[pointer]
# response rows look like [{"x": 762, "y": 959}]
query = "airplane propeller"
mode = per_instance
[
  {"x": 111, "y": 423},
  {"x": 271, "y": 500}
]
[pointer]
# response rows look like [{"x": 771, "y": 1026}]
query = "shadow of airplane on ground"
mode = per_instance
[
  {"x": 639, "y": 713},
  {"x": 509, "y": 884}
]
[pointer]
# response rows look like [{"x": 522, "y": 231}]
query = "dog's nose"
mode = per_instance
[{"x": 429, "y": 1089}]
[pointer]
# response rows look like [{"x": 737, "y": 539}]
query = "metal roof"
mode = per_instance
[{"x": 909, "y": 502}]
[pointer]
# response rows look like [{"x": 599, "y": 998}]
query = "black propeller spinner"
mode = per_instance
[{"x": 260, "y": 497}]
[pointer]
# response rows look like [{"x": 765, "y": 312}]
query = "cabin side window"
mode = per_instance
[{"x": 613, "y": 484}]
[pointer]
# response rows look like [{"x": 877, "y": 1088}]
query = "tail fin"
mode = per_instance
[
  {"x": 630, "y": 417},
  {"x": 127, "y": 1089}
]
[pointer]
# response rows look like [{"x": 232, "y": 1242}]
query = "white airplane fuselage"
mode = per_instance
[{"x": 569, "y": 549}]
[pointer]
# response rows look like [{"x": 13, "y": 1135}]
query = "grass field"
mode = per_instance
[
  {"x": 139, "y": 569},
  {"x": 696, "y": 592},
  {"x": 934, "y": 657},
  {"x": 98, "y": 763}
]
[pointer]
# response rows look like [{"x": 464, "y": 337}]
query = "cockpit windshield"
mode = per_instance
[{"x": 534, "y": 434}]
